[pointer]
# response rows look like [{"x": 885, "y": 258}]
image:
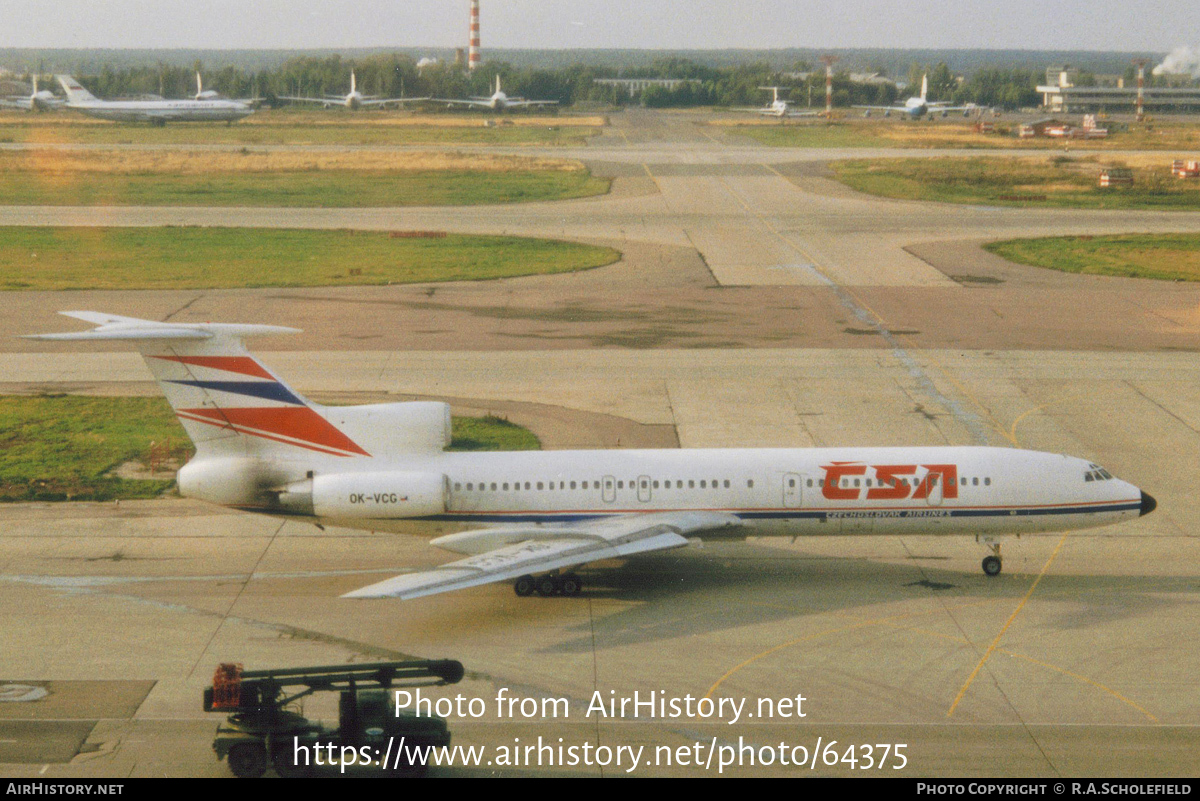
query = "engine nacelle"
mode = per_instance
[
  {"x": 371, "y": 495},
  {"x": 394, "y": 427},
  {"x": 228, "y": 481}
]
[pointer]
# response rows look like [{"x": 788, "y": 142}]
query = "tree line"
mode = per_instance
[{"x": 400, "y": 75}]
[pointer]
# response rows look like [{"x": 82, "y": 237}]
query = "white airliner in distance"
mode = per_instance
[
  {"x": 497, "y": 101},
  {"x": 777, "y": 107},
  {"x": 355, "y": 99},
  {"x": 212, "y": 94},
  {"x": 156, "y": 112},
  {"x": 917, "y": 107},
  {"x": 45, "y": 100},
  {"x": 261, "y": 447}
]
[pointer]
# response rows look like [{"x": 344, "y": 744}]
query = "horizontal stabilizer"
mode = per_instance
[{"x": 112, "y": 326}]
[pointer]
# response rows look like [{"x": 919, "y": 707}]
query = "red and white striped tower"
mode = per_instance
[
  {"x": 1140, "y": 63},
  {"x": 473, "y": 52},
  {"x": 829, "y": 85}
]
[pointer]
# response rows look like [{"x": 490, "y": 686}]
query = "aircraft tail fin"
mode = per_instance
[
  {"x": 353, "y": 83},
  {"x": 75, "y": 92},
  {"x": 233, "y": 406},
  {"x": 924, "y": 86}
]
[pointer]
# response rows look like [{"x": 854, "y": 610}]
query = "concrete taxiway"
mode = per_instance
[{"x": 1076, "y": 661}]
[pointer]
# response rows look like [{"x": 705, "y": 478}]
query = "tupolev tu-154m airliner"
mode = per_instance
[{"x": 262, "y": 447}]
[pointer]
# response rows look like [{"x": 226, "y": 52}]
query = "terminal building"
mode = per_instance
[{"x": 1060, "y": 95}]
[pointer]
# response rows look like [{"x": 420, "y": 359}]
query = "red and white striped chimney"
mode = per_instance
[
  {"x": 473, "y": 52},
  {"x": 829, "y": 59},
  {"x": 1140, "y": 63}
]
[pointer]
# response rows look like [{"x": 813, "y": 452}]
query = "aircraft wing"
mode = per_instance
[
  {"x": 517, "y": 551},
  {"x": 391, "y": 100},
  {"x": 525, "y": 103},
  {"x": 883, "y": 108},
  {"x": 484, "y": 102},
  {"x": 945, "y": 107}
]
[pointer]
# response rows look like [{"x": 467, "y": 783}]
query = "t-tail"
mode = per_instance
[
  {"x": 75, "y": 91},
  {"x": 259, "y": 443}
]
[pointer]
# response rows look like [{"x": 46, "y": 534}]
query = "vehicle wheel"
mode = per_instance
[
  {"x": 248, "y": 760},
  {"x": 992, "y": 565},
  {"x": 572, "y": 585},
  {"x": 547, "y": 586},
  {"x": 285, "y": 766},
  {"x": 523, "y": 586}
]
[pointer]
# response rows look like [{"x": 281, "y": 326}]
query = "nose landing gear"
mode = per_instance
[{"x": 992, "y": 564}]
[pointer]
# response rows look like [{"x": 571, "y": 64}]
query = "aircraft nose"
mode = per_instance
[{"x": 1148, "y": 503}]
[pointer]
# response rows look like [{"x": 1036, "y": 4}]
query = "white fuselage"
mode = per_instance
[
  {"x": 778, "y": 108},
  {"x": 916, "y": 107},
  {"x": 164, "y": 110},
  {"x": 497, "y": 102},
  {"x": 951, "y": 490}
]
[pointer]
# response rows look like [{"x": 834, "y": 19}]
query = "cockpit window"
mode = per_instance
[{"x": 1096, "y": 473}]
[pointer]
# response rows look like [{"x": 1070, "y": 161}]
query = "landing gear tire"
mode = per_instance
[
  {"x": 524, "y": 586},
  {"x": 283, "y": 760},
  {"x": 547, "y": 586},
  {"x": 571, "y": 585},
  {"x": 992, "y": 565},
  {"x": 248, "y": 760}
]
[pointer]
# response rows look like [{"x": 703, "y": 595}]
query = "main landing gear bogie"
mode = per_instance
[{"x": 568, "y": 584}]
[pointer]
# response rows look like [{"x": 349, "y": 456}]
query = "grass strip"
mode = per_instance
[
  {"x": 1057, "y": 181},
  {"x": 70, "y": 447},
  {"x": 1171, "y": 257},
  {"x": 47, "y": 258}
]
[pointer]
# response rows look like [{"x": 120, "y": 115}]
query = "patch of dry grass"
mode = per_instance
[{"x": 50, "y": 160}]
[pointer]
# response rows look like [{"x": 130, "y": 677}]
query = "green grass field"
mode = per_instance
[
  {"x": 65, "y": 448},
  {"x": 285, "y": 127},
  {"x": 319, "y": 189},
  {"x": 1171, "y": 257},
  {"x": 208, "y": 258},
  {"x": 58, "y": 448},
  {"x": 851, "y": 130},
  {"x": 1057, "y": 181},
  {"x": 490, "y": 433}
]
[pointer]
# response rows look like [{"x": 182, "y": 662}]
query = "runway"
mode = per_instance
[{"x": 1077, "y": 661}]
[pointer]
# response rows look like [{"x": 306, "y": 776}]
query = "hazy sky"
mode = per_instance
[{"x": 1026, "y": 24}]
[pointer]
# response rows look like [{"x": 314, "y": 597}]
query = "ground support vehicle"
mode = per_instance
[{"x": 261, "y": 730}]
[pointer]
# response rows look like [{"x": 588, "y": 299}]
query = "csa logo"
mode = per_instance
[{"x": 892, "y": 482}]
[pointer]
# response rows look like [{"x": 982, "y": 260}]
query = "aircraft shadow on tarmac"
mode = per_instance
[{"x": 726, "y": 586}]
